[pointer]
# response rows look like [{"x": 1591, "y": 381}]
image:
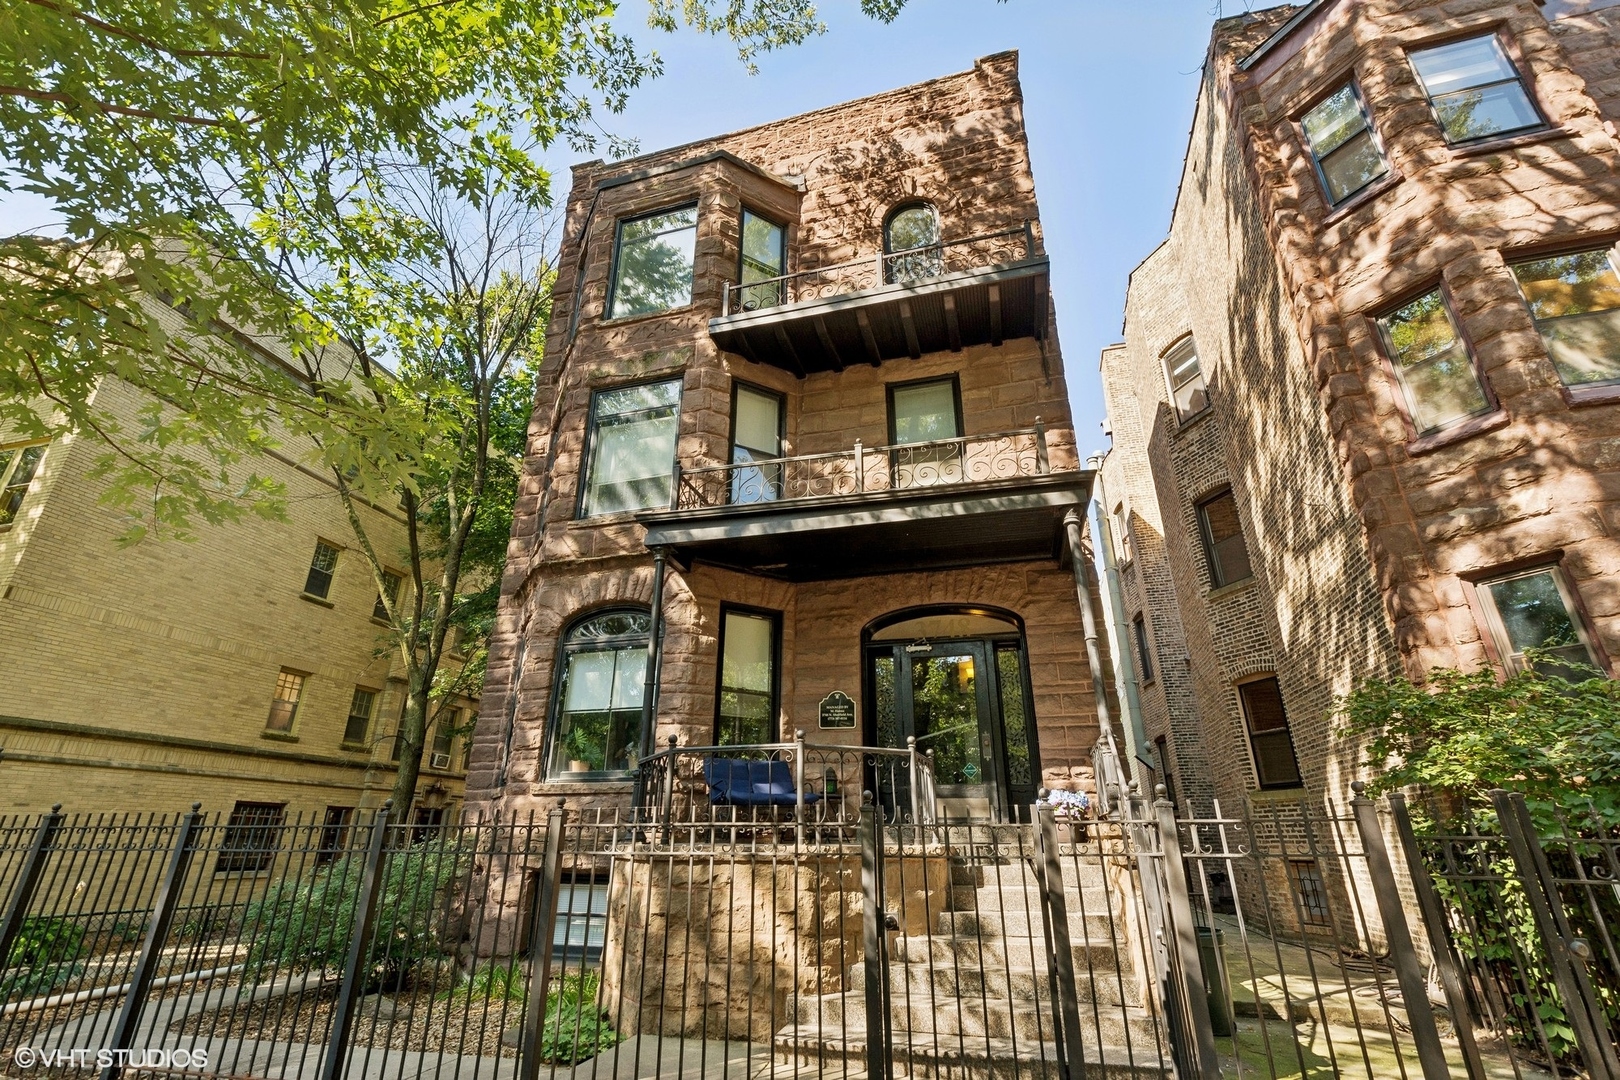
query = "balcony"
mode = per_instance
[
  {"x": 973, "y": 291},
  {"x": 873, "y": 510}
]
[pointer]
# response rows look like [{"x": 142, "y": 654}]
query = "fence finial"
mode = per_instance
[{"x": 1359, "y": 787}]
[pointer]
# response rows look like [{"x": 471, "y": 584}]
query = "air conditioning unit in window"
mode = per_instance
[{"x": 441, "y": 761}]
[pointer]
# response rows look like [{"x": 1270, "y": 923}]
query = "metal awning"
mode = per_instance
[{"x": 935, "y": 528}]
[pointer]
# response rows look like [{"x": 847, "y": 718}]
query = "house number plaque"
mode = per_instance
[{"x": 837, "y": 710}]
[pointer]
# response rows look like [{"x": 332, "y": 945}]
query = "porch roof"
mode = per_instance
[{"x": 1018, "y": 519}]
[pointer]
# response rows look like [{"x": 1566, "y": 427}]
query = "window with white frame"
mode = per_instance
[
  {"x": 1534, "y": 610},
  {"x": 18, "y": 465},
  {"x": 1187, "y": 388}
]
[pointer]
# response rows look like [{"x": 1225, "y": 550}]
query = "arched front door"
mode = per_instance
[{"x": 958, "y": 681}]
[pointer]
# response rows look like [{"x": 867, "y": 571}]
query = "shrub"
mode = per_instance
[
  {"x": 301, "y": 925},
  {"x": 44, "y": 941}
]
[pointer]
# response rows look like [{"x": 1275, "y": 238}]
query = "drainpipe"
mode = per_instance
[
  {"x": 1082, "y": 588},
  {"x": 655, "y": 648},
  {"x": 1114, "y": 616}
]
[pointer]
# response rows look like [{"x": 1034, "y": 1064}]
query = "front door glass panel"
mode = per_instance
[{"x": 945, "y": 715}]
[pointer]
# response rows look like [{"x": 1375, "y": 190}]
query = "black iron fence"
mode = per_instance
[
  {"x": 978, "y": 252},
  {"x": 861, "y": 470},
  {"x": 1114, "y": 941}
]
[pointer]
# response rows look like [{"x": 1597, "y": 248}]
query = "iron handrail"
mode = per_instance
[{"x": 883, "y": 265}]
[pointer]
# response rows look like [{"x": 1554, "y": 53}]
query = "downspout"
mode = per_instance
[
  {"x": 1114, "y": 616},
  {"x": 1088, "y": 623}
]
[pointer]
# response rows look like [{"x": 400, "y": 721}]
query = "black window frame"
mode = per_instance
[
  {"x": 1217, "y": 576},
  {"x": 334, "y": 836},
  {"x": 1287, "y": 732},
  {"x": 742, "y": 259},
  {"x": 588, "y": 458},
  {"x": 618, "y": 246},
  {"x": 315, "y": 572},
  {"x": 554, "y": 710},
  {"x": 1495, "y": 35},
  {"x": 774, "y": 734},
  {"x": 737, "y": 387},
  {"x": 931, "y": 266},
  {"x": 1368, "y": 126},
  {"x": 1310, "y": 889},
  {"x": 956, "y": 400},
  {"x": 1144, "y": 649}
]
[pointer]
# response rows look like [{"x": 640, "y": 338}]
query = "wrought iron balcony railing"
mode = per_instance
[
  {"x": 975, "y": 459},
  {"x": 887, "y": 268}
]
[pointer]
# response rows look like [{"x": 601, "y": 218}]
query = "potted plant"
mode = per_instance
[{"x": 1071, "y": 809}]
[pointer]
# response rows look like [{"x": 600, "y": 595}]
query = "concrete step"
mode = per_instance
[
  {"x": 1088, "y": 922},
  {"x": 1092, "y": 950},
  {"x": 1098, "y": 982},
  {"x": 971, "y": 1059},
  {"x": 923, "y": 1017}
]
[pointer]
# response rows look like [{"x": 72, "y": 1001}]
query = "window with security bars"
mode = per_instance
[
  {"x": 1575, "y": 301},
  {"x": 1310, "y": 891},
  {"x": 1475, "y": 90},
  {"x": 358, "y": 726},
  {"x": 1343, "y": 145},
  {"x": 1270, "y": 740},
  {"x": 251, "y": 838},
  {"x": 284, "y": 705},
  {"x": 321, "y": 567},
  {"x": 18, "y": 464},
  {"x": 334, "y": 833}
]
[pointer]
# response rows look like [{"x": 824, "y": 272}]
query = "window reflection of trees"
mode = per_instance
[
  {"x": 911, "y": 237},
  {"x": 653, "y": 271}
]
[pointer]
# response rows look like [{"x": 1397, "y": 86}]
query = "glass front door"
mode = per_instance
[{"x": 965, "y": 702}]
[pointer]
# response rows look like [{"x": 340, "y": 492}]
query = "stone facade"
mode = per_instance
[
  {"x": 833, "y": 176},
  {"x": 1371, "y": 542},
  {"x": 142, "y": 675}
]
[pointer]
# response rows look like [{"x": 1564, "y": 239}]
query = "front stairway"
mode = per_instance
[{"x": 972, "y": 995}]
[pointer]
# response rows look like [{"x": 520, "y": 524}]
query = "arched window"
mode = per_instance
[
  {"x": 911, "y": 241},
  {"x": 596, "y": 726}
]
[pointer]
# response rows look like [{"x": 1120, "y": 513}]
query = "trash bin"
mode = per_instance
[{"x": 1212, "y": 955}]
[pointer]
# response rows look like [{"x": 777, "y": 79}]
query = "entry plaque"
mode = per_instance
[{"x": 837, "y": 710}]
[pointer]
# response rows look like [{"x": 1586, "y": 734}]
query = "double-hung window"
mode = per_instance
[
  {"x": 1224, "y": 547},
  {"x": 18, "y": 464},
  {"x": 1575, "y": 300},
  {"x": 357, "y": 728},
  {"x": 390, "y": 589},
  {"x": 746, "y": 710},
  {"x": 322, "y": 565},
  {"x": 284, "y": 702},
  {"x": 652, "y": 263},
  {"x": 1433, "y": 364},
  {"x": 1270, "y": 740},
  {"x": 756, "y": 435},
  {"x": 632, "y": 448},
  {"x": 1342, "y": 143},
  {"x": 1475, "y": 90},
  {"x": 1144, "y": 650},
  {"x": 1187, "y": 387},
  {"x": 929, "y": 413},
  {"x": 764, "y": 261},
  {"x": 597, "y": 728},
  {"x": 1533, "y": 610}
]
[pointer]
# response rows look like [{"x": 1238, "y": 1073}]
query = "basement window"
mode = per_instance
[
  {"x": 1533, "y": 609},
  {"x": 1475, "y": 90},
  {"x": 1311, "y": 891},
  {"x": 1343, "y": 146},
  {"x": 1575, "y": 301},
  {"x": 251, "y": 838}
]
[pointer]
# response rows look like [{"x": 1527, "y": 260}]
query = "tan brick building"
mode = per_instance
[
  {"x": 245, "y": 668},
  {"x": 802, "y": 382},
  {"x": 1366, "y": 415}
]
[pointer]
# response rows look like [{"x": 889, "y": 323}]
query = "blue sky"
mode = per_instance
[{"x": 1108, "y": 94}]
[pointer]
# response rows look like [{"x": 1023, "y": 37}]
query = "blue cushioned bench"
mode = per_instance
[{"x": 735, "y": 782}]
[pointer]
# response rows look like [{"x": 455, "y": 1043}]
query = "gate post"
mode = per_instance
[
  {"x": 1055, "y": 909},
  {"x": 541, "y": 933},
  {"x": 365, "y": 911},
  {"x": 1434, "y": 922},
  {"x": 157, "y": 932},
  {"x": 879, "y": 1057},
  {"x": 1185, "y": 940},
  {"x": 22, "y": 894},
  {"x": 1408, "y": 972},
  {"x": 1569, "y": 968}
]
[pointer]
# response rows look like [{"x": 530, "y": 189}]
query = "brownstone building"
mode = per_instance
[
  {"x": 1366, "y": 415},
  {"x": 802, "y": 460}
]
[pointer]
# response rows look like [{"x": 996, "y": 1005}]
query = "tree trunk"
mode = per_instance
[{"x": 412, "y": 740}]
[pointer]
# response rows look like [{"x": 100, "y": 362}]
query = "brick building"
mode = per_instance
[
  {"x": 1366, "y": 415},
  {"x": 246, "y": 668},
  {"x": 801, "y": 460}
]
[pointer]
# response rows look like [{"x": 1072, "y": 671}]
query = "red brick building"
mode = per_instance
[
  {"x": 1366, "y": 415},
  {"x": 801, "y": 459}
]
